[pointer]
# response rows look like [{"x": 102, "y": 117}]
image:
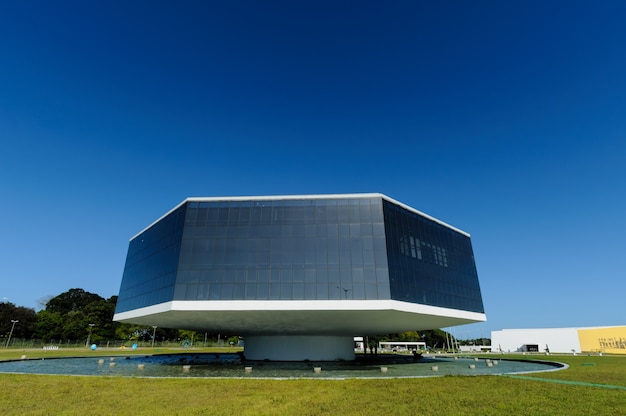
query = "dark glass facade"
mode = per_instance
[
  {"x": 357, "y": 247},
  {"x": 151, "y": 264},
  {"x": 429, "y": 263}
]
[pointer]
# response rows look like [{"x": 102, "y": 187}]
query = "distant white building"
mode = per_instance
[
  {"x": 474, "y": 348},
  {"x": 608, "y": 339},
  {"x": 359, "y": 345},
  {"x": 402, "y": 345}
]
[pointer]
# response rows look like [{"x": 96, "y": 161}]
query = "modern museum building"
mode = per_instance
[{"x": 299, "y": 276}]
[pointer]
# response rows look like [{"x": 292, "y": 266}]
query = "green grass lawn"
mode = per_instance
[
  {"x": 586, "y": 368},
  {"x": 479, "y": 395}
]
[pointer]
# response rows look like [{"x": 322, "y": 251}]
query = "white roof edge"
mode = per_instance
[
  {"x": 408, "y": 208},
  {"x": 295, "y": 197},
  {"x": 280, "y": 197},
  {"x": 157, "y": 220}
]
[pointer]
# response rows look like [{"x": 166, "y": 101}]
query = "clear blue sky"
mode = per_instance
[{"x": 504, "y": 119}]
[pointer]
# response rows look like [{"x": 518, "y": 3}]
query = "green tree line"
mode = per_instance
[{"x": 74, "y": 315}]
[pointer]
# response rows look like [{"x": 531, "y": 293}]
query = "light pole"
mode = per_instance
[
  {"x": 153, "y": 334},
  {"x": 89, "y": 336},
  {"x": 11, "y": 333}
]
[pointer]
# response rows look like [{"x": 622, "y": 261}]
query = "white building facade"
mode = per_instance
[{"x": 609, "y": 339}]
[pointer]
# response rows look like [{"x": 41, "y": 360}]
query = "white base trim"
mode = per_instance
[{"x": 312, "y": 317}]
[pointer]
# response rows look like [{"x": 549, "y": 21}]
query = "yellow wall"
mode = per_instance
[{"x": 610, "y": 340}]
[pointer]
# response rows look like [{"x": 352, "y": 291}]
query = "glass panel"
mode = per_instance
[
  {"x": 239, "y": 291},
  {"x": 371, "y": 291},
  {"x": 251, "y": 291},
  {"x": 285, "y": 291},
  {"x": 322, "y": 291},
  {"x": 358, "y": 291},
  {"x": 262, "y": 291},
  {"x": 310, "y": 291},
  {"x": 298, "y": 291},
  {"x": 274, "y": 291}
]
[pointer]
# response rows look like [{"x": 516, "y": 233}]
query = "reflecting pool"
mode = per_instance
[{"x": 232, "y": 366}]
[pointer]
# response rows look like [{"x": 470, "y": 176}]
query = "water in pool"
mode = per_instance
[{"x": 232, "y": 366}]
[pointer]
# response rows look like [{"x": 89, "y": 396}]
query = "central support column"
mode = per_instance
[{"x": 299, "y": 347}]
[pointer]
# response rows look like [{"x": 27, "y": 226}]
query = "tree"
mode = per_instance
[
  {"x": 26, "y": 317},
  {"x": 436, "y": 338},
  {"x": 49, "y": 325},
  {"x": 71, "y": 301},
  {"x": 75, "y": 314},
  {"x": 476, "y": 341},
  {"x": 188, "y": 335},
  {"x": 100, "y": 314},
  {"x": 409, "y": 336}
]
